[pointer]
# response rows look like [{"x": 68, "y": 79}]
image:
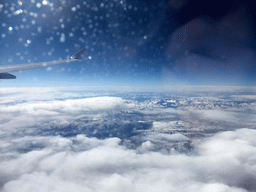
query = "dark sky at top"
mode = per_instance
[{"x": 133, "y": 43}]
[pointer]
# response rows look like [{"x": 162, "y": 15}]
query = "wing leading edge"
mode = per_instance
[{"x": 4, "y": 71}]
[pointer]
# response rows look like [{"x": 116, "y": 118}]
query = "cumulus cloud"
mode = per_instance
[
  {"x": 32, "y": 113},
  {"x": 224, "y": 162}
]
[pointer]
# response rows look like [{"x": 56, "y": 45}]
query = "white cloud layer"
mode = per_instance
[
  {"x": 34, "y": 157},
  {"x": 225, "y": 162}
]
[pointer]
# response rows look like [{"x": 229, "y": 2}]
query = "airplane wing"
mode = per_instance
[{"x": 4, "y": 70}]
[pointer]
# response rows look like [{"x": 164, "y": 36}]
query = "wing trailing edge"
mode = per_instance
[{"x": 4, "y": 71}]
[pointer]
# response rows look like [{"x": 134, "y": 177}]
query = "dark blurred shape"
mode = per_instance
[
  {"x": 220, "y": 43},
  {"x": 7, "y": 76},
  {"x": 177, "y": 4},
  {"x": 214, "y": 39}
]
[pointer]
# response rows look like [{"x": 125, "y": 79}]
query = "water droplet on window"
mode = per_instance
[
  {"x": 38, "y": 5},
  {"x": 39, "y": 29},
  {"x": 44, "y": 2},
  {"x": 62, "y": 37}
]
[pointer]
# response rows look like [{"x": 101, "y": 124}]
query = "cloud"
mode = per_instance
[
  {"x": 164, "y": 137},
  {"x": 218, "y": 115},
  {"x": 244, "y": 97},
  {"x": 224, "y": 162},
  {"x": 166, "y": 126},
  {"x": 40, "y": 112},
  {"x": 157, "y": 149},
  {"x": 216, "y": 118},
  {"x": 20, "y": 95}
]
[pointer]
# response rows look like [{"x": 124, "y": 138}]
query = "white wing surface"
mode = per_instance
[{"x": 5, "y": 70}]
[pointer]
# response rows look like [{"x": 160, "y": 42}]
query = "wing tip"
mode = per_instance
[{"x": 79, "y": 55}]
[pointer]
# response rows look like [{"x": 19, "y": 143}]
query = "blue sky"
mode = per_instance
[{"x": 130, "y": 43}]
